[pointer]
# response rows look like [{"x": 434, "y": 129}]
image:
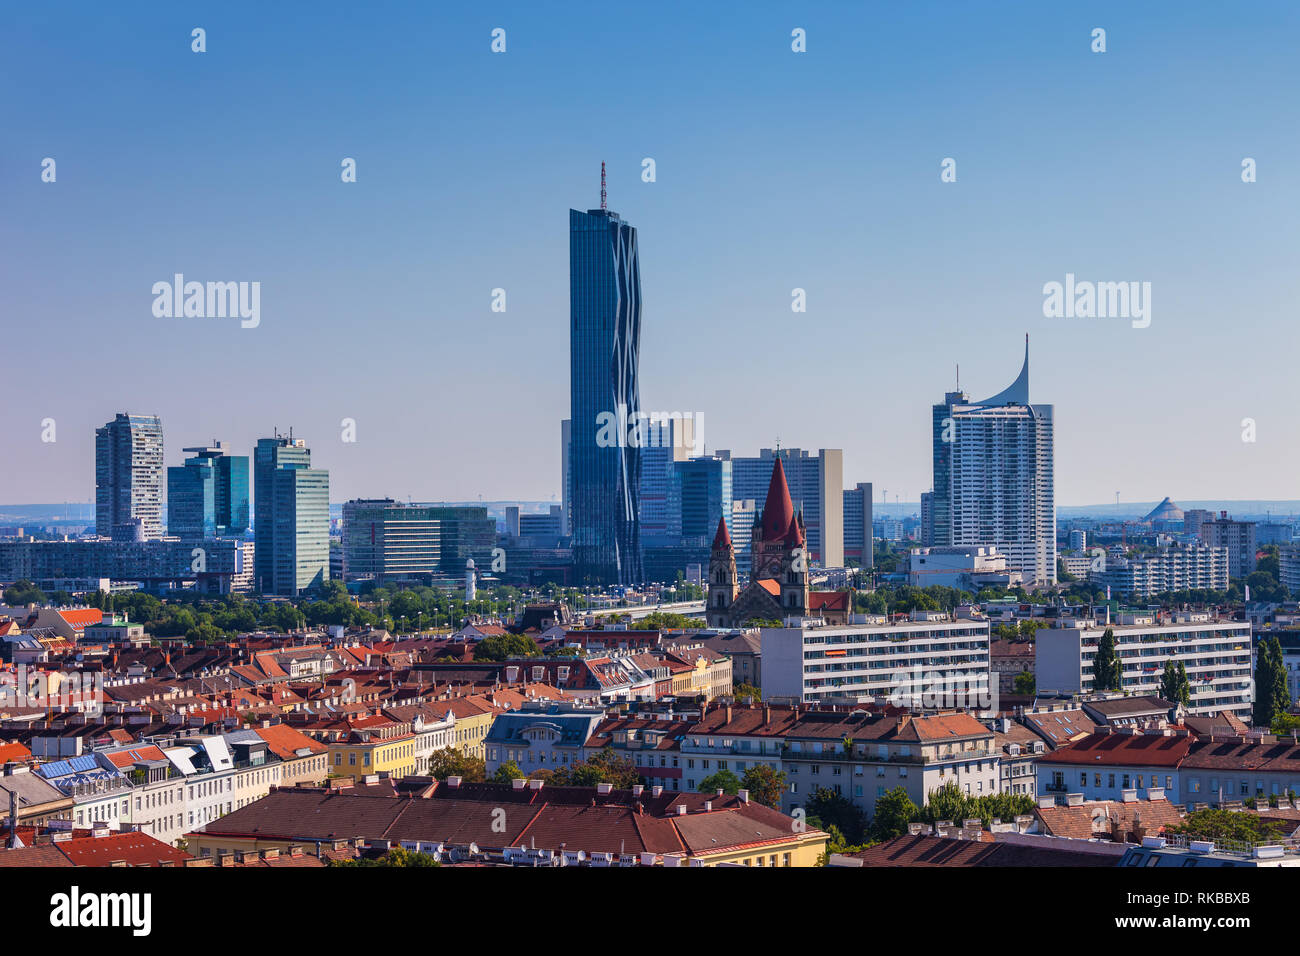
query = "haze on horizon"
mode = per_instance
[{"x": 774, "y": 171}]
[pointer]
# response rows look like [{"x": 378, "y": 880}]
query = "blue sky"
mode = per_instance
[{"x": 775, "y": 170}]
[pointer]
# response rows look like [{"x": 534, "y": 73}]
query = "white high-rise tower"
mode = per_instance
[{"x": 994, "y": 477}]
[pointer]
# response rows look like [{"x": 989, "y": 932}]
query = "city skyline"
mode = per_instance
[{"x": 924, "y": 275}]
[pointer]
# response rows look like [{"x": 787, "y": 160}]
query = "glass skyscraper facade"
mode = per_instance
[
  {"x": 604, "y": 346},
  {"x": 291, "y": 518},
  {"x": 207, "y": 496},
  {"x": 128, "y": 478}
]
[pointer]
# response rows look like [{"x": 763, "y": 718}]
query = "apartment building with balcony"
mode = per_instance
[
  {"x": 1216, "y": 653},
  {"x": 918, "y": 662}
]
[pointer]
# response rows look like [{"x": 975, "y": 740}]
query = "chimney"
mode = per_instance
[
  {"x": 708, "y": 806},
  {"x": 518, "y": 783},
  {"x": 453, "y": 782},
  {"x": 681, "y": 809},
  {"x": 744, "y": 796}
]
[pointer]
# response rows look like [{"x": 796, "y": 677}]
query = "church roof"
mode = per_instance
[
  {"x": 723, "y": 538},
  {"x": 778, "y": 510},
  {"x": 794, "y": 534}
]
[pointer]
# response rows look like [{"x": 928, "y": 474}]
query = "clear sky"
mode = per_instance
[{"x": 775, "y": 170}]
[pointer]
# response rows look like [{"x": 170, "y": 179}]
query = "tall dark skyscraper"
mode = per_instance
[{"x": 604, "y": 353}]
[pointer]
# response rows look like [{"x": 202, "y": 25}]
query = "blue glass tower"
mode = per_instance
[
  {"x": 604, "y": 346},
  {"x": 207, "y": 497}
]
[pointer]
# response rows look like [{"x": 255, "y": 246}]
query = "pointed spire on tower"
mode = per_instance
[
  {"x": 778, "y": 509},
  {"x": 602, "y": 184},
  {"x": 723, "y": 538}
]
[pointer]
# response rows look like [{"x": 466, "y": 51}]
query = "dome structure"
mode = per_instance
[{"x": 1165, "y": 511}]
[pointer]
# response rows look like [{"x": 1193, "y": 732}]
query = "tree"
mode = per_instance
[
  {"x": 450, "y": 762},
  {"x": 500, "y": 647},
  {"x": 723, "y": 780},
  {"x": 1174, "y": 685},
  {"x": 1212, "y": 824},
  {"x": 765, "y": 785},
  {"x": 397, "y": 856},
  {"x": 745, "y": 690},
  {"x": 1271, "y": 694},
  {"x": 23, "y": 592},
  {"x": 603, "y": 767},
  {"x": 1026, "y": 683},
  {"x": 1107, "y": 672},
  {"x": 894, "y": 811},
  {"x": 826, "y": 808},
  {"x": 507, "y": 772}
]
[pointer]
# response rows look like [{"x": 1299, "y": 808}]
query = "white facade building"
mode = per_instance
[{"x": 1216, "y": 654}]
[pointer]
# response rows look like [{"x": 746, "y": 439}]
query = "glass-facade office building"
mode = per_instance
[
  {"x": 207, "y": 496},
  {"x": 604, "y": 345},
  {"x": 291, "y": 518}
]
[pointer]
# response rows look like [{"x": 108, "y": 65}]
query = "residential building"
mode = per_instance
[
  {"x": 994, "y": 476},
  {"x": 930, "y": 660},
  {"x": 1168, "y": 569},
  {"x": 1238, "y": 537},
  {"x": 859, "y": 544},
  {"x": 129, "y": 477},
  {"x": 541, "y": 737},
  {"x": 1215, "y": 652}
]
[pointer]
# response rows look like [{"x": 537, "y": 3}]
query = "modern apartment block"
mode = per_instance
[
  {"x": 1175, "y": 568},
  {"x": 859, "y": 544},
  {"x": 1289, "y": 567},
  {"x": 604, "y": 349},
  {"x": 129, "y": 478},
  {"x": 1216, "y": 653},
  {"x": 1238, "y": 537},
  {"x": 387, "y": 540},
  {"x": 292, "y": 522},
  {"x": 816, "y": 482},
  {"x": 207, "y": 496},
  {"x": 994, "y": 476},
  {"x": 915, "y": 662}
]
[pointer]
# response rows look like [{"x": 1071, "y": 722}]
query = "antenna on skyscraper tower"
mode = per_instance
[{"x": 602, "y": 185}]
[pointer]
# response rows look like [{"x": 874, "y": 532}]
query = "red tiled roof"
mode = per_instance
[{"x": 1122, "y": 750}]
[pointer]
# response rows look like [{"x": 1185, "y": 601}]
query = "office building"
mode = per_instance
[
  {"x": 671, "y": 441},
  {"x": 291, "y": 518},
  {"x": 386, "y": 540},
  {"x": 993, "y": 477},
  {"x": 816, "y": 485},
  {"x": 1215, "y": 652},
  {"x": 605, "y": 338},
  {"x": 967, "y": 567},
  {"x": 207, "y": 497},
  {"x": 699, "y": 493},
  {"x": 128, "y": 478},
  {"x": 859, "y": 542},
  {"x": 927, "y": 518}
]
